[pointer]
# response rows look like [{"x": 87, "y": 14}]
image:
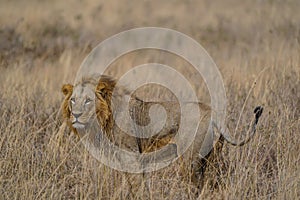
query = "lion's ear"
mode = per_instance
[
  {"x": 67, "y": 89},
  {"x": 105, "y": 87},
  {"x": 101, "y": 90}
]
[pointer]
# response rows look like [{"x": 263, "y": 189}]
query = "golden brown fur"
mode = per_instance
[
  {"x": 67, "y": 90},
  {"x": 103, "y": 94},
  {"x": 103, "y": 91}
]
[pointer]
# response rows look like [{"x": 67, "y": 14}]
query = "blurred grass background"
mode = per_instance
[{"x": 42, "y": 44}]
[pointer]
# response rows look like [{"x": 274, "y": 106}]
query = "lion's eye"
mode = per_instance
[
  {"x": 73, "y": 100},
  {"x": 87, "y": 101}
]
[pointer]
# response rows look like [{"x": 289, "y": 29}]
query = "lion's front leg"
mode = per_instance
[{"x": 60, "y": 133}]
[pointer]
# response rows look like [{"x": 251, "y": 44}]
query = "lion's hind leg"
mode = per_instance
[{"x": 209, "y": 166}]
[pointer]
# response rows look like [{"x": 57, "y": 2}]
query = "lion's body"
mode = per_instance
[
  {"x": 139, "y": 113},
  {"x": 97, "y": 107}
]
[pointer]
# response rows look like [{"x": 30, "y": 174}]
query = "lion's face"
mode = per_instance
[
  {"x": 80, "y": 103},
  {"x": 87, "y": 100}
]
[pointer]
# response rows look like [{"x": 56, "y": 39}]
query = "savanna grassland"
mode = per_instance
[{"x": 255, "y": 44}]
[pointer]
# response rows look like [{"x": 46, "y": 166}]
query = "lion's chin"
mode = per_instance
[{"x": 78, "y": 125}]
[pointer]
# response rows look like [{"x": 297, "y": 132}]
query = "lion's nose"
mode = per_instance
[{"x": 76, "y": 115}]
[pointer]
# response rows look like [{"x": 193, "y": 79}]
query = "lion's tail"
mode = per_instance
[{"x": 227, "y": 136}]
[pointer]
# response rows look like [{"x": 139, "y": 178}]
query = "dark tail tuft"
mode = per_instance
[{"x": 258, "y": 111}]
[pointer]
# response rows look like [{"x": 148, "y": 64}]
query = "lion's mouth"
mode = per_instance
[{"x": 77, "y": 124}]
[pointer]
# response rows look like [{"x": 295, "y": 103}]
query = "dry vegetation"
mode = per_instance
[{"x": 43, "y": 43}]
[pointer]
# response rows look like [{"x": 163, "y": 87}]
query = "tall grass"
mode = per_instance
[{"x": 43, "y": 43}]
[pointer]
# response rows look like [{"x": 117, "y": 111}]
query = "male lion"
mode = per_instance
[{"x": 91, "y": 98}]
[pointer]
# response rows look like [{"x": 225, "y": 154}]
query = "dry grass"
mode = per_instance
[{"x": 43, "y": 43}]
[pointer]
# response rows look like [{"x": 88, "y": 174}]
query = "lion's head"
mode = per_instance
[{"x": 87, "y": 98}]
